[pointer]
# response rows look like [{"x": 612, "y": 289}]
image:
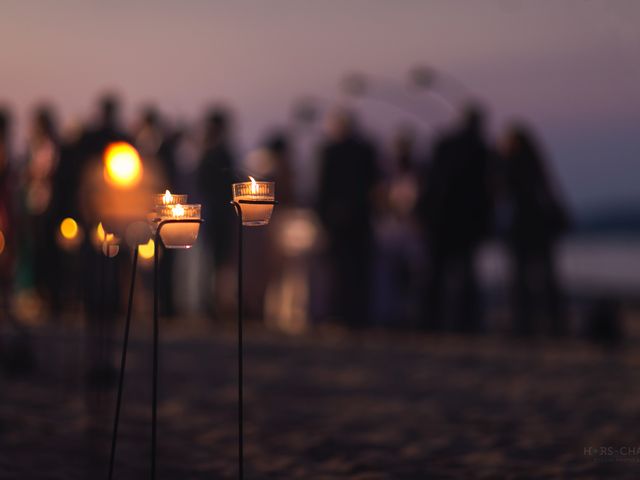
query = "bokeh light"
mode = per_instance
[
  {"x": 110, "y": 245},
  {"x": 100, "y": 235},
  {"x": 69, "y": 228},
  {"x": 122, "y": 165},
  {"x": 147, "y": 250}
]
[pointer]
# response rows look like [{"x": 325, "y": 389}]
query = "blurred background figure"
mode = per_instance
[
  {"x": 16, "y": 353},
  {"x": 157, "y": 147},
  {"x": 281, "y": 289},
  {"x": 101, "y": 275},
  {"x": 399, "y": 258},
  {"x": 154, "y": 139},
  {"x": 270, "y": 162},
  {"x": 455, "y": 208},
  {"x": 538, "y": 218},
  {"x": 215, "y": 175},
  {"x": 348, "y": 176},
  {"x": 40, "y": 256},
  {"x": 107, "y": 127},
  {"x": 7, "y": 217},
  {"x": 67, "y": 181}
]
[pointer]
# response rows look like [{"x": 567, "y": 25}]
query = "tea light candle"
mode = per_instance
[
  {"x": 254, "y": 214},
  {"x": 168, "y": 198},
  {"x": 180, "y": 234}
]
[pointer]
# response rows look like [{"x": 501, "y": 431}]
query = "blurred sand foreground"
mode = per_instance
[{"x": 330, "y": 405}]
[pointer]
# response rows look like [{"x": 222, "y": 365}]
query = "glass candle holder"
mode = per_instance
[
  {"x": 255, "y": 214},
  {"x": 168, "y": 198},
  {"x": 179, "y": 234}
]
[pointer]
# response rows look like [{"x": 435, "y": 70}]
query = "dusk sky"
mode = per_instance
[{"x": 572, "y": 68}]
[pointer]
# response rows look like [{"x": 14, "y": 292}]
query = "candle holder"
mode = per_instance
[
  {"x": 253, "y": 202},
  {"x": 168, "y": 198},
  {"x": 180, "y": 230},
  {"x": 258, "y": 199},
  {"x": 175, "y": 227}
]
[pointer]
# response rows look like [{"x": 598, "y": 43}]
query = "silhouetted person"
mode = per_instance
[
  {"x": 65, "y": 203},
  {"x": 455, "y": 207},
  {"x": 348, "y": 174},
  {"x": 400, "y": 249},
  {"x": 40, "y": 173},
  {"x": 16, "y": 352},
  {"x": 215, "y": 176},
  {"x": 107, "y": 128},
  {"x": 67, "y": 177},
  {"x": 538, "y": 218},
  {"x": 280, "y": 169},
  {"x": 153, "y": 139},
  {"x": 7, "y": 215},
  {"x": 101, "y": 278},
  {"x": 272, "y": 162},
  {"x": 157, "y": 150}
]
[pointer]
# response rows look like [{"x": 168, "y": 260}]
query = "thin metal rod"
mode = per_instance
[
  {"x": 156, "y": 334},
  {"x": 154, "y": 403},
  {"x": 257, "y": 202},
  {"x": 240, "y": 353},
  {"x": 123, "y": 363}
]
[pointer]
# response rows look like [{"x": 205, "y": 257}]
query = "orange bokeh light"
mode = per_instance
[
  {"x": 146, "y": 250},
  {"x": 122, "y": 165},
  {"x": 69, "y": 228}
]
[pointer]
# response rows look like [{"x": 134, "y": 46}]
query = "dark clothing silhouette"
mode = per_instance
[
  {"x": 538, "y": 218},
  {"x": 456, "y": 210},
  {"x": 348, "y": 175},
  {"x": 215, "y": 176}
]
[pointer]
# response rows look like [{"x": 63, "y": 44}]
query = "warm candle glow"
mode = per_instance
[
  {"x": 2, "y": 242},
  {"x": 181, "y": 231},
  {"x": 178, "y": 210},
  {"x": 256, "y": 200},
  {"x": 254, "y": 185},
  {"x": 122, "y": 165},
  {"x": 167, "y": 197},
  {"x": 100, "y": 232},
  {"x": 69, "y": 228}
]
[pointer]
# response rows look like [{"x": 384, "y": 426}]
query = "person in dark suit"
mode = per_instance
[
  {"x": 538, "y": 218},
  {"x": 215, "y": 175},
  {"x": 455, "y": 208},
  {"x": 348, "y": 175}
]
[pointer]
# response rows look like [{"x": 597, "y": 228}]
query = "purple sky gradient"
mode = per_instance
[{"x": 572, "y": 68}]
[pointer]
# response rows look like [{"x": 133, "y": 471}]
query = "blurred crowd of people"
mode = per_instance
[
  {"x": 392, "y": 237},
  {"x": 424, "y": 223}
]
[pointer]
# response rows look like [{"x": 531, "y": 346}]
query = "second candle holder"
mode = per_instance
[{"x": 178, "y": 225}]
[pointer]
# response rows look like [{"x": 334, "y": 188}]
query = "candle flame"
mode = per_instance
[
  {"x": 254, "y": 185},
  {"x": 178, "y": 210},
  {"x": 167, "y": 197},
  {"x": 100, "y": 232}
]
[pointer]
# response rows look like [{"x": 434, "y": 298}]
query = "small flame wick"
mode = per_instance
[
  {"x": 254, "y": 185},
  {"x": 178, "y": 210},
  {"x": 167, "y": 197}
]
